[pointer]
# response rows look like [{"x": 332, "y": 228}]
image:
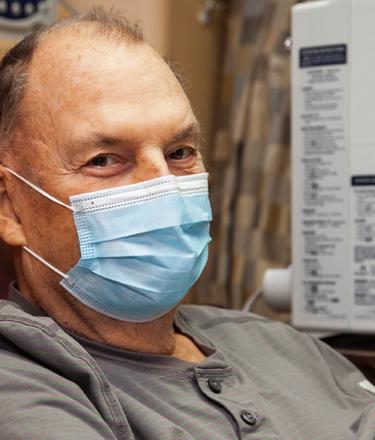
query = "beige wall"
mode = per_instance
[
  {"x": 153, "y": 15},
  {"x": 198, "y": 50}
]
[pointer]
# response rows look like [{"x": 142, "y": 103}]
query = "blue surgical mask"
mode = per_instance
[{"x": 142, "y": 246}]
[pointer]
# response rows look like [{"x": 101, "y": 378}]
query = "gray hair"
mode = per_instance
[{"x": 14, "y": 66}]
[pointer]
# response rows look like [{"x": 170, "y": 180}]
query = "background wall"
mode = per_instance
[{"x": 153, "y": 14}]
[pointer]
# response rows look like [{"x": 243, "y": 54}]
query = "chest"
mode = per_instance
[{"x": 224, "y": 404}]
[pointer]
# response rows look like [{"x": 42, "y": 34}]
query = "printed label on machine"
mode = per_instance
[
  {"x": 322, "y": 196},
  {"x": 323, "y": 55},
  {"x": 363, "y": 235}
]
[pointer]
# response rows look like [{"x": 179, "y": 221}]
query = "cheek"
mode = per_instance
[
  {"x": 198, "y": 166},
  {"x": 51, "y": 233},
  {"x": 67, "y": 248}
]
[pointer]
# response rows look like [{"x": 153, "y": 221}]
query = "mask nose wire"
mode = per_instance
[
  {"x": 59, "y": 202},
  {"x": 40, "y": 190}
]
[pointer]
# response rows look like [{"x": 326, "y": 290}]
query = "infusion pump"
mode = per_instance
[
  {"x": 333, "y": 165},
  {"x": 19, "y": 18}
]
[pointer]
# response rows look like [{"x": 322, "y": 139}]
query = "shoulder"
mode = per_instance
[
  {"x": 247, "y": 332},
  {"x": 208, "y": 313},
  {"x": 46, "y": 375},
  {"x": 264, "y": 341},
  {"x": 254, "y": 336},
  {"x": 209, "y": 317}
]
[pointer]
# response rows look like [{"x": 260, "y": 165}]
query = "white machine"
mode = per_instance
[
  {"x": 333, "y": 165},
  {"x": 18, "y": 18}
]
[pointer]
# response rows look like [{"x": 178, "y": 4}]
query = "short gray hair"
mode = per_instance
[{"x": 14, "y": 66}]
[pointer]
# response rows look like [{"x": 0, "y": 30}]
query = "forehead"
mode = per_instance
[
  {"x": 83, "y": 60},
  {"x": 86, "y": 78}
]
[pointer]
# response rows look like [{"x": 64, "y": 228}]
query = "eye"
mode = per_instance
[
  {"x": 105, "y": 165},
  {"x": 182, "y": 153},
  {"x": 101, "y": 161}
]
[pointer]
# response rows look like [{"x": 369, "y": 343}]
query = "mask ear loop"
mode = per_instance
[
  {"x": 53, "y": 199},
  {"x": 49, "y": 265},
  {"x": 40, "y": 191}
]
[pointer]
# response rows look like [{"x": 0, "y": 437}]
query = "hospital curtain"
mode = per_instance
[{"x": 249, "y": 161}]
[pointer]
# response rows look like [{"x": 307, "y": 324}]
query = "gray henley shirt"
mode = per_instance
[{"x": 261, "y": 380}]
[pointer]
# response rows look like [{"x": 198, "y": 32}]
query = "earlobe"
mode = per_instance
[{"x": 11, "y": 231}]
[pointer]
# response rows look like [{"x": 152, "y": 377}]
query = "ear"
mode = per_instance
[{"x": 10, "y": 227}]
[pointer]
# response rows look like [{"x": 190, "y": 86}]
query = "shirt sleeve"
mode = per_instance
[{"x": 36, "y": 403}]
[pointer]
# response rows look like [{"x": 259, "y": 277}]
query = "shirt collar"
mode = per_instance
[{"x": 16, "y": 296}]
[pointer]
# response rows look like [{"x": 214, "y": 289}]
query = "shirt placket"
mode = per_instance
[{"x": 218, "y": 385}]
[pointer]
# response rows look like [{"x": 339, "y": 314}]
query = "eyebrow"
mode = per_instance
[
  {"x": 97, "y": 140},
  {"x": 191, "y": 132}
]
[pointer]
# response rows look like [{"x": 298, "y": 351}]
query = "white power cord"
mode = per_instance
[{"x": 252, "y": 300}]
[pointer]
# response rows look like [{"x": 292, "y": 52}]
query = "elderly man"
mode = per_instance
[{"x": 104, "y": 202}]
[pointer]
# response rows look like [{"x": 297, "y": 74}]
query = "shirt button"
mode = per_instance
[
  {"x": 214, "y": 385},
  {"x": 249, "y": 417}
]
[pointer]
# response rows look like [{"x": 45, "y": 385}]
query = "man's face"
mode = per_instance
[{"x": 97, "y": 114}]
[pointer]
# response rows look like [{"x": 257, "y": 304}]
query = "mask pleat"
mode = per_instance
[{"x": 173, "y": 210}]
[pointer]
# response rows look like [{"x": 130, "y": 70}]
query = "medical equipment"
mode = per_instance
[
  {"x": 333, "y": 165},
  {"x": 18, "y": 18}
]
